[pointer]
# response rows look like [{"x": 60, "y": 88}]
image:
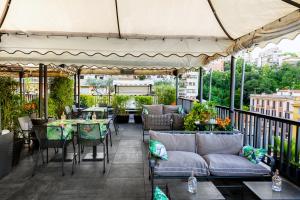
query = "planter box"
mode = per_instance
[
  {"x": 6, "y": 153},
  {"x": 138, "y": 119},
  {"x": 121, "y": 119}
]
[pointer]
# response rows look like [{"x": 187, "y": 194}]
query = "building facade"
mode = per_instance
[
  {"x": 188, "y": 85},
  {"x": 283, "y": 104}
]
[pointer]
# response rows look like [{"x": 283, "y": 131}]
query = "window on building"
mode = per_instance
[
  {"x": 280, "y": 103},
  {"x": 287, "y": 115},
  {"x": 81, "y": 77},
  {"x": 262, "y": 102},
  {"x": 252, "y": 102},
  {"x": 262, "y": 111},
  {"x": 280, "y": 114},
  {"x": 257, "y": 101},
  {"x": 274, "y": 103},
  {"x": 287, "y": 106},
  {"x": 268, "y": 102}
]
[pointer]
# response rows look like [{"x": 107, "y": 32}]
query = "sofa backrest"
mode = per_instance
[
  {"x": 219, "y": 143},
  {"x": 170, "y": 109},
  {"x": 154, "y": 109},
  {"x": 176, "y": 141}
]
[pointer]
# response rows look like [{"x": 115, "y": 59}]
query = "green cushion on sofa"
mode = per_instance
[
  {"x": 157, "y": 149},
  {"x": 253, "y": 154},
  {"x": 159, "y": 195}
]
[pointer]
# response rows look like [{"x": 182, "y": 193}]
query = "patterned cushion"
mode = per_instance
[
  {"x": 181, "y": 163},
  {"x": 159, "y": 195},
  {"x": 233, "y": 165},
  {"x": 170, "y": 109},
  {"x": 154, "y": 109},
  {"x": 157, "y": 149},
  {"x": 253, "y": 154}
]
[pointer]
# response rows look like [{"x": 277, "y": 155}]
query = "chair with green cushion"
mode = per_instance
[
  {"x": 92, "y": 135},
  {"x": 54, "y": 137}
]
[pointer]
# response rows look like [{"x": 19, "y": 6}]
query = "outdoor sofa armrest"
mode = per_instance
[{"x": 270, "y": 162}]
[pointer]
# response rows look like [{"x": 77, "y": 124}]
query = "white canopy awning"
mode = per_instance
[{"x": 166, "y": 34}]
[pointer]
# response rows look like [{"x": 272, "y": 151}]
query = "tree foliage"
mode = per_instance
[{"x": 266, "y": 79}]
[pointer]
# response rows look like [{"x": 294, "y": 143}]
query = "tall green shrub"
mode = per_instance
[
  {"x": 166, "y": 93},
  {"x": 119, "y": 103},
  {"x": 61, "y": 92},
  {"x": 142, "y": 100},
  {"x": 10, "y": 104}
]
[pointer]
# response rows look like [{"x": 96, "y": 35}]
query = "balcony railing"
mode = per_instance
[{"x": 264, "y": 131}]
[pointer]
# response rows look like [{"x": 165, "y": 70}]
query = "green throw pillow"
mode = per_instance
[
  {"x": 253, "y": 154},
  {"x": 159, "y": 195},
  {"x": 180, "y": 110},
  {"x": 157, "y": 149},
  {"x": 145, "y": 111}
]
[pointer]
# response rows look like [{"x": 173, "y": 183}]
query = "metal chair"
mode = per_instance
[
  {"x": 68, "y": 112},
  {"x": 56, "y": 140},
  {"x": 91, "y": 134},
  {"x": 25, "y": 124}
]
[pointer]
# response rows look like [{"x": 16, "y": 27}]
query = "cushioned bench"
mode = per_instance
[{"x": 208, "y": 155}]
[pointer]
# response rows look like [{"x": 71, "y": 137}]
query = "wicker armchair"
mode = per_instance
[{"x": 161, "y": 118}]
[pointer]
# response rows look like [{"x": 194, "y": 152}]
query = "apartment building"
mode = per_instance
[
  {"x": 284, "y": 104},
  {"x": 188, "y": 85}
]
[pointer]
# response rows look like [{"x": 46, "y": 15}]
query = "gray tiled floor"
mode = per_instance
[{"x": 126, "y": 176}]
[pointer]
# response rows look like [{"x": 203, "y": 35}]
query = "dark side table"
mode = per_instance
[{"x": 263, "y": 190}]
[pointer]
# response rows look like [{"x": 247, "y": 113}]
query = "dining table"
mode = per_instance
[{"x": 69, "y": 127}]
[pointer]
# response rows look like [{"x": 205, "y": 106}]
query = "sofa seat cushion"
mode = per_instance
[
  {"x": 233, "y": 165},
  {"x": 181, "y": 163}
]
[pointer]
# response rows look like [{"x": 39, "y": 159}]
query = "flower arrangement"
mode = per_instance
[
  {"x": 30, "y": 108},
  {"x": 224, "y": 125}
]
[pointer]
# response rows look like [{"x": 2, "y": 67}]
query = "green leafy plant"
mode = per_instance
[
  {"x": 11, "y": 105},
  {"x": 86, "y": 100},
  {"x": 277, "y": 145},
  {"x": 119, "y": 103},
  {"x": 201, "y": 112},
  {"x": 61, "y": 92},
  {"x": 166, "y": 93},
  {"x": 142, "y": 100}
]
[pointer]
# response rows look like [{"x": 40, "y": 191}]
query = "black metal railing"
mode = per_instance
[{"x": 264, "y": 131}]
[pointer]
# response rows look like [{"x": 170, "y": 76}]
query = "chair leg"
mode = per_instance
[
  {"x": 78, "y": 151},
  {"x": 74, "y": 157},
  {"x": 110, "y": 137},
  {"x": 107, "y": 157},
  {"x": 115, "y": 126},
  {"x": 47, "y": 155},
  {"x": 104, "y": 158},
  {"x": 143, "y": 135}
]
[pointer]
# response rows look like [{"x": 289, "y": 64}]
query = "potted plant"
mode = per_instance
[
  {"x": 140, "y": 101},
  {"x": 119, "y": 104},
  {"x": 201, "y": 112}
]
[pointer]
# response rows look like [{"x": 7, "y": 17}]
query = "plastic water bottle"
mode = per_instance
[{"x": 192, "y": 183}]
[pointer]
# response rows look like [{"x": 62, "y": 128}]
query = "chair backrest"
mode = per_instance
[
  {"x": 40, "y": 132},
  {"x": 25, "y": 123},
  {"x": 74, "y": 109},
  {"x": 58, "y": 133},
  {"x": 103, "y": 114},
  {"x": 90, "y": 131},
  {"x": 68, "y": 110}
]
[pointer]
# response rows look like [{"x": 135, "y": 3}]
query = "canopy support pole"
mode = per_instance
[
  {"x": 176, "y": 85},
  {"x": 78, "y": 86},
  {"x": 242, "y": 85},
  {"x": 21, "y": 75},
  {"x": 210, "y": 81},
  {"x": 75, "y": 89},
  {"x": 232, "y": 89},
  {"x": 200, "y": 85},
  {"x": 40, "y": 88},
  {"x": 45, "y": 91},
  {"x": 117, "y": 14}
]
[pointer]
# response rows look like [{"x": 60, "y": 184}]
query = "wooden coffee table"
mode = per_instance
[
  {"x": 206, "y": 190},
  {"x": 263, "y": 190}
]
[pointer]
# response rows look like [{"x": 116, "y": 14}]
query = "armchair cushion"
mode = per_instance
[
  {"x": 178, "y": 121},
  {"x": 233, "y": 165},
  {"x": 219, "y": 143},
  {"x": 170, "y": 109},
  {"x": 154, "y": 109},
  {"x": 181, "y": 163},
  {"x": 175, "y": 142}
]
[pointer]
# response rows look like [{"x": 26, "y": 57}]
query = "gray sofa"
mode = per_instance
[
  {"x": 208, "y": 155},
  {"x": 162, "y": 117}
]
